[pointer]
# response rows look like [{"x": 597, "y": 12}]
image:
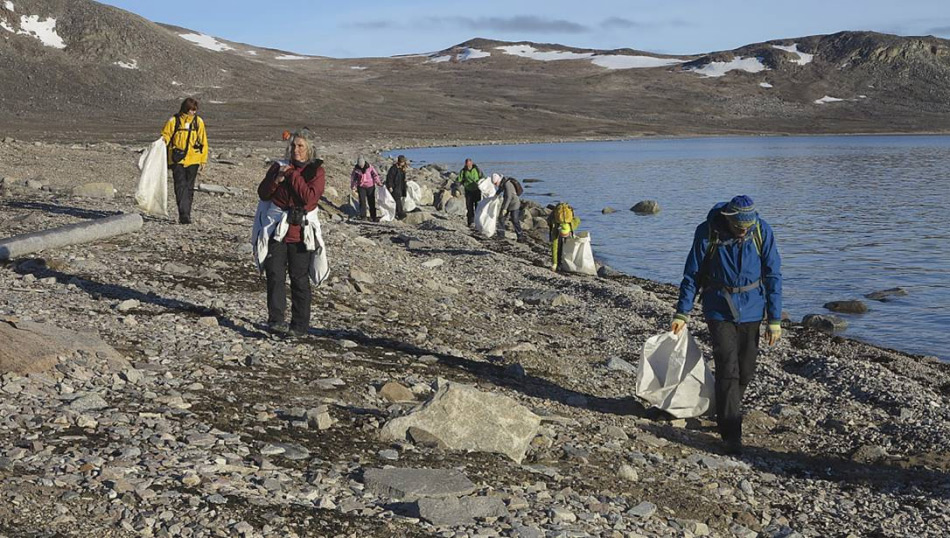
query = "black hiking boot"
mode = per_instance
[
  {"x": 733, "y": 446},
  {"x": 278, "y": 327}
]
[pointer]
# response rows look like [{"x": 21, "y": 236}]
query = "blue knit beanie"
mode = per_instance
[{"x": 741, "y": 210}]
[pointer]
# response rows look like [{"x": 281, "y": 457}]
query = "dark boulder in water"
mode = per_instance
[
  {"x": 847, "y": 307},
  {"x": 825, "y": 323},
  {"x": 607, "y": 210},
  {"x": 646, "y": 207},
  {"x": 886, "y": 295}
]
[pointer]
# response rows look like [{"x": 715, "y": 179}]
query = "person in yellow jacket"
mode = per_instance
[
  {"x": 187, "y": 142},
  {"x": 561, "y": 224}
]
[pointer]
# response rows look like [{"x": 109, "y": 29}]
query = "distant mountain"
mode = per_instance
[{"x": 73, "y": 69}]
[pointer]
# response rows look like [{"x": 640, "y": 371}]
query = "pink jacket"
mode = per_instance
[{"x": 368, "y": 178}]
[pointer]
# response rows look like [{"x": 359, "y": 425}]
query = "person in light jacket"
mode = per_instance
[
  {"x": 735, "y": 268},
  {"x": 510, "y": 205},
  {"x": 187, "y": 141},
  {"x": 363, "y": 180},
  {"x": 295, "y": 186},
  {"x": 396, "y": 183}
]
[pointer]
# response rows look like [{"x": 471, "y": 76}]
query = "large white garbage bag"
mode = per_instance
[
  {"x": 578, "y": 256},
  {"x": 486, "y": 215},
  {"x": 413, "y": 196},
  {"x": 487, "y": 187},
  {"x": 673, "y": 376},
  {"x": 152, "y": 193},
  {"x": 385, "y": 205}
]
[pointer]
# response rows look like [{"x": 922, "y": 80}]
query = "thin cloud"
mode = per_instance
[
  {"x": 521, "y": 23},
  {"x": 620, "y": 22}
]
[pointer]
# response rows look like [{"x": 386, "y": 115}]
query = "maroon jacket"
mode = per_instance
[{"x": 301, "y": 186}]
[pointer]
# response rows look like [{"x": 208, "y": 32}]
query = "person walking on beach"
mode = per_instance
[
  {"x": 735, "y": 268},
  {"x": 293, "y": 187},
  {"x": 396, "y": 183},
  {"x": 561, "y": 224},
  {"x": 468, "y": 177},
  {"x": 510, "y": 205},
  {"x": 187, "y": 141},
  {"x": 364, "y": 179}
]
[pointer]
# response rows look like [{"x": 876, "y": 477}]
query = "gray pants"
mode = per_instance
[{"x": 515, "y": 216}]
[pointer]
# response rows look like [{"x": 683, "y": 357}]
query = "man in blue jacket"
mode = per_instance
[{"x": 735, "y": 268}]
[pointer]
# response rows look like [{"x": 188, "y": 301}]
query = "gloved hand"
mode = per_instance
[
  {"x": 774, "y": 333},
  {"x": 679, "y": 321}
]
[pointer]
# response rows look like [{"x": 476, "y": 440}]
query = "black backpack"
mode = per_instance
[{"x": 519, "y": 190}]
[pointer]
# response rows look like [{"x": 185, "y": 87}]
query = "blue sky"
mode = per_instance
[{"x": 361, "y": 28}]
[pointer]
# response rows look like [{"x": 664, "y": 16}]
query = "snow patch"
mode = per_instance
[
  {"x": 527, "y": 51},
  {"x": 8, "y": 5},
  {"x": 217, "y": 102},
  {"x": 439, "y": 59},
  {"x": 719, "y": 69},
  {"x": 462, "y": 56},
  {"x": 803, "y": 58},
  {"x": 44, "y": 30},
  {"x": 291, "y": 57},
  {"x": 7, "y": 27},
  {"x": 357, "y": 68},
  {"x": 251, "y": 52},
  {"x": 622, "y": 61},
  {"x": 206, "y": 42},
  {"x": 134, "y": 64},
  {"x": 827, "y": 99},
  {"x": 765, "y": 85},
  {"x": 176, "y": 83}
]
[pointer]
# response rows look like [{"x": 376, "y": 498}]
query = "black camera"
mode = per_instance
[{"x": 297, "y": 216}]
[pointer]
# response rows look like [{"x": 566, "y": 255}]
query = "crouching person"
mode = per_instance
[{"x": 287, "y": 234}]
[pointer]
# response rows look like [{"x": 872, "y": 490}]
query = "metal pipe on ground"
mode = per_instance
[{"x": 73, "y": 234}]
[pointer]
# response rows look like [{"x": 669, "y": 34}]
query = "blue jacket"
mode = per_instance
[{"x": 734, "y": 264}]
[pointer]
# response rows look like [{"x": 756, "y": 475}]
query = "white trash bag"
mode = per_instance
[
  {"x": 385, "y": 205},
  {"x": 578, "y": 256},
  {"x": 413, "y": 196},
  {"x": 152, "y": 193},
  {"x": 486, "y": 215},
  {"x": 673, "y": 377},
  {"x": 487, "y": 187}
]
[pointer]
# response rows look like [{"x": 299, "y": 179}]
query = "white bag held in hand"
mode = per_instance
[
  {"x": 486, "y": 215},
  {"x": 413, "y": 195},
  {"x": 152, "y": 192},
  {"x": 673, "y": 376},
  {"x": 385, "y": 204},
  {"x": 578, "y": 256},
  {"x": 487, "y": 187}
]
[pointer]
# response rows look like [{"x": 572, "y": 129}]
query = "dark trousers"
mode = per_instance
[
  {"x": 515, "y": 216},
  {"x": 368, "y": 198},
  {"x": 735, "y": 346},
  {"x": 471, "y": 200},
  {"x": 184, "y": 177},
  {"x": 296, "y": 258},
  {"x": 400, "y": 212}
]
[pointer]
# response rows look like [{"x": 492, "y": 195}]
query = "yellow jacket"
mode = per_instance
[{"x": 182, "y": 140}]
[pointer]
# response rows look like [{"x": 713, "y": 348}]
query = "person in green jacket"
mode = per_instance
[{"x": 468, "y": 177}]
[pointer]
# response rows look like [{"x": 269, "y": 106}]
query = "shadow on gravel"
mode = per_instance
[
  {"x": 63, "y": 210},
  {"x": 882, "y": 477},
  {"x": 502, "y": 376},
  {"x": 97, "y": 290}
]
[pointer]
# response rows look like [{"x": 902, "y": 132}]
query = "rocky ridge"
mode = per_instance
[{"x": 206, "y": 425}]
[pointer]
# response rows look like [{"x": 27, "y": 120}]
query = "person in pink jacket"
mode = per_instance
[{"x": 364, "y": 181}]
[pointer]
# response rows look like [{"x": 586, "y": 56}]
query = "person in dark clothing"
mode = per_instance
[
  {"x": 187, "y": 141},
  {"x": 510, "y": 206},
  {"x": 735, "y": 267},
  {"x": 294, "y": 186},
  {"x": 468, "y": 177},
  {"x": 365, "y": 179},
  {"x": 396, "y": 183}
]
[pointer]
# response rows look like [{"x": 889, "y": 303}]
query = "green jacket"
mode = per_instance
[{"x": 469, "y": 178}]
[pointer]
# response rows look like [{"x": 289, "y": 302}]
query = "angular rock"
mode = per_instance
[
  {"x": 886, "y": 295},
  {"x": 547, "y": 298},
  {"x": 361, "y": 276},
  {"x": 628, "y": 473},
  {"x": 824, "y": 323},
  {"x": 455, "y": 206},
  {"x": 617, "y": 364},
  {"x": 642, "y": 510},
  {"x": 608, "y": 210},
  {"x": 30, "y": 347},
  {"x": 88, "y": 402},
  {"x": 417, "y": 217},
  {"x": 847, "y": 307},
  {"x": 464, "y": 418},
  {"x": 646, "y": 207},
  {"x": 412, "y": 484},
  {"x": 396, "y": 393}
]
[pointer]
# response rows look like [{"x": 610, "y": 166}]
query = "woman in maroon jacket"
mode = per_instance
[{"x": 294, "y": 185}]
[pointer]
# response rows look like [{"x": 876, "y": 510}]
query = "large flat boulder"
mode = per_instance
[
  {"x": 460, "y": 511},
  {"x": 412, "y": 484},
  {"x": 28, "y": 348},
  {"x": 463, "y": 418}
]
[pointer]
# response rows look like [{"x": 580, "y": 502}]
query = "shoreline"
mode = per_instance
[{"x": 204, "y": 419}]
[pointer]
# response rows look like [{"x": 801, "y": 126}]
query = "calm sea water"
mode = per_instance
[{"x": 852, "y": 214}]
